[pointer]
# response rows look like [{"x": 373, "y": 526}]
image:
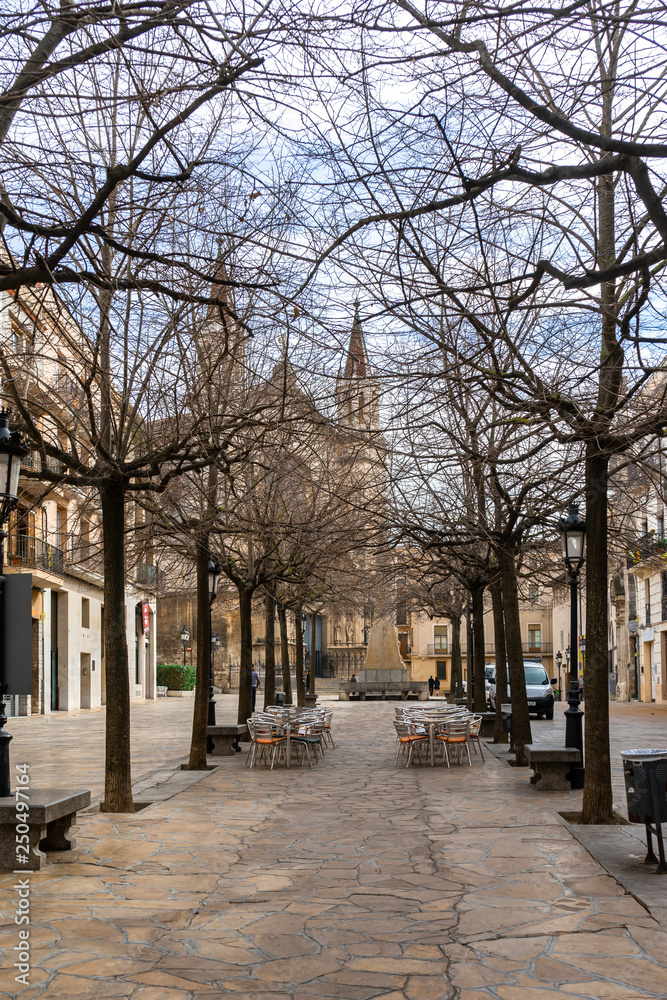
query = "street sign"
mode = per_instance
[{"x": 17, "y": 644}]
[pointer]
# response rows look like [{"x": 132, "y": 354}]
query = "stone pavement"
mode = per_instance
[{"x": 353, "y": 880}]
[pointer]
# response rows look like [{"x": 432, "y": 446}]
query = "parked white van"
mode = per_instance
[{"x": 538, "y": 688}]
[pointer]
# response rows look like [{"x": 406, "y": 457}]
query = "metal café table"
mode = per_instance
[{"x": 432, "y": 721}]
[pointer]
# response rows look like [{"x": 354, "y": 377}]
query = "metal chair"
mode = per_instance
[{"x": 408, "y": 737}]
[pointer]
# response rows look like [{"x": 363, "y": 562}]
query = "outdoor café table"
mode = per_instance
[{"x": 432, "y": 721}]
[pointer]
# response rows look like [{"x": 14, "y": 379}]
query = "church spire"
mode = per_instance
[
  {"x": 356, "y": 363},
  {"x": 357, "y": 390}
]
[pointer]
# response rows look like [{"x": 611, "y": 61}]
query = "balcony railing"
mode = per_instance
[
  {"x": 646, "y": 546},
  {"x": 528, "y": 649},
  {"x": 150, "y": 576},
  {"x": 23, "y": 550},
  {"x": 435, "y": 649}
]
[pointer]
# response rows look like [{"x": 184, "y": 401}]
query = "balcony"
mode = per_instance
[
  {"x": 650, "y": 546},
  {"x": 33, "y": 553},
  {"x": 86, "y": 556},
  {"x": 150, "y": 576},
  {"x": 68, "y": 388},
  {"x": 528, "y": 649}
]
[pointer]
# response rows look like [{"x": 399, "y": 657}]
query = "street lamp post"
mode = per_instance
[
  {"x": 559, "y": 663},
  {"x": 573, "y": 538},
  {"x": 185, "y": 639},
  {"x": 12, "y": 450},
  {"x": 213, "y": 578}
]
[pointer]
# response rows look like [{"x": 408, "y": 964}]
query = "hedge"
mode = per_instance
[{"x": 176, "y": 677}]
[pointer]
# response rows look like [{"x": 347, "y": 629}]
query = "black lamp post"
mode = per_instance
[
  {"x": 12, "y": 450},
  {"x": 213, "y": 578},
  {"x": 185, "y": 639},
  {"x": 559, "y": 663},
  {"x": 573, "y": 538}
]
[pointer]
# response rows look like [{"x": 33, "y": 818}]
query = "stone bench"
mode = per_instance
[
  {"x": 224, "y": 740},
  {"x": 50, "y": 815},
  {"x": 551, "y": 765}
]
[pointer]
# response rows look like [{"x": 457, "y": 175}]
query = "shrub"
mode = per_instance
[{"x": 176, "y": 677}]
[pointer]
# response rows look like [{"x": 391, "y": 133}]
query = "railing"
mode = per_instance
[
  {"x": 85, "y": 555},
  {"x": 435, "y": 649},
  {"x": 23, "y": 550},
  {"x": 647, "y": 546},
  {"x": 150, "y": 576},
  {"x": 489, "y": 649},
  {"x": 68, "y": 387}
]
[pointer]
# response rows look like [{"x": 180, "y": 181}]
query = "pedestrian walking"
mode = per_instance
[
  {"x": 436, "y": 686},
  {"x": 255, "y": 686},
  {"x": 431, "y": 685}
]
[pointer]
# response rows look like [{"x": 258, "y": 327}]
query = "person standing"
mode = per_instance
[
  {"x": 255, "y": 686},
  {"x": 436, "y": 686},
  {"x": 308, "y": 682},
  {"x": 431, "y": 685}
]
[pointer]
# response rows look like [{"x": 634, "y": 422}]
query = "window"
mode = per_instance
[
  {"x": 61, "y": 527},
  {"x": 647, "y": 602},
  {"x": 660, "y": 524},
  {"x": 534, "y": 638},
  {"x": 85, "y": 612},
  {"x": 441, "y": 670},
  {"x": 664, "y": 596},
  {"x": 440, "y": 638},
  {"x": 533, "y": 591}
]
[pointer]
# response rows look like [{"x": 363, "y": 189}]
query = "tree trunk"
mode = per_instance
[
  {"x": 245, "y": 678},
  {"x": 479, "y": 703},
  {"x": 197, "y": 760},
  {"x": 520, "y": 717},
  {"x": 455, "y": 678},
  {"x": 469, "y": 659},
  {"x": 284, "y": 654},
  {"x": 313, "y": 651},
  {"x": 270, "y": 651},
  {"x": 300, "y": 681},
  {"x": 597, "y": 800},
  {"x": 501, "y": 659},
  {"x": 118, "y": 776}
]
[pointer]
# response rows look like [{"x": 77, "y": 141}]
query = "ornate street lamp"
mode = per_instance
[
  {"x": 213, "y": 578},
  {"x": 185, "y": 639},
  {"x": 12, "y": 450},
  {"x": 559, "y": 663},
  {"x": 573, "y": 539}
]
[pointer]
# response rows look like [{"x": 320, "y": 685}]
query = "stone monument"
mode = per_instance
[
  {"x": 384, "y": 673},
  {"x": 383, "y": 656}
]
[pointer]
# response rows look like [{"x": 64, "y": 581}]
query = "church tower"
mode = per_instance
[{"x": 357, "y": 391}]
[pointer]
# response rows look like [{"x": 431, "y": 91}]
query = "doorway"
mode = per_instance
[
  {"x": 85, "y": 680},
  {"x": 55, "y": 701}
]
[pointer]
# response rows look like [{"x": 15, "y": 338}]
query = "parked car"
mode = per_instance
[
  {"x": 489, "y": 678},
  {"x": 538, "y": 688}
]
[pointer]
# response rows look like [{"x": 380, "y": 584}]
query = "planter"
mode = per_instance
[{"x": 180, "y": 694}]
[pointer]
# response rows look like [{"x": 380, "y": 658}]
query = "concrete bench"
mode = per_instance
[
  {"x": 50, "y": 815},
  {"x": 551, "y": 765},
  {"x": 225, "y": 739}
]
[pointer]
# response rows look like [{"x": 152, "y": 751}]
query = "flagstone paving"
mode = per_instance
[{"x": 353, "y": 880}]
